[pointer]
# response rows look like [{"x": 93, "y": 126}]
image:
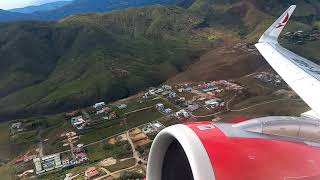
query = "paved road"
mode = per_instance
[
  {"x": 40, "y": 143},
  {"x": 108, "y": 173},
  {"x": 138, "y": 110},
  {"x": 136, "y": 154},
  {"x": 116, "y": 172},
  {"x": 228, "y": 103},
  {"x": 209, "y": 115}
]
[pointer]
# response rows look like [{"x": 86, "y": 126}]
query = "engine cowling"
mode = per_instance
[
  {"x": 243, "y": 149},
  {"x": 178, "y": 153}
]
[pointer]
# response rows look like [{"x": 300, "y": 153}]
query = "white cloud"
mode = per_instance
[{"x": 10, "y": 4}]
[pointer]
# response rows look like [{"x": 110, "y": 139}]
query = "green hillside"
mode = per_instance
[
  {"x": 54, "y": 66},
  {"x": 48, "y": 67}
]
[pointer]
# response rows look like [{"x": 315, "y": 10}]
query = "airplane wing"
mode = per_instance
[{"x": 302, "y": 75}]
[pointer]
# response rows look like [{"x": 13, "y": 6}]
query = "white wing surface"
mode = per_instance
[{"x": 302, "y": 75}]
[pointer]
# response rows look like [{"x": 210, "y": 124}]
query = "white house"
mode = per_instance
[
  {"x": 213, "y": 101},
  {"x": 160, "y": 90},
  {"x": 168, "y": 111},
  {"x": 16, "y": 125},
  {"x": 166, "y": 87},
  {"x": 100, "y": 111},
  {"x": 100, "y": 104},
  {"x": 160, "y": 106},
  {"x": 78, "y": 122},
  {"x": 172, "y": 95},
  {"x": 122, "y": 106},
  {"x": 182, "y": 113}
]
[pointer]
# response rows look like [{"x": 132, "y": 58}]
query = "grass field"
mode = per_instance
[
  {"x": 4, "y": 142},
  {"x": 52, "y": 134},
  {"x": 115, "y": 126},
  {"x": 281, "y": 108},
  {"x": 50, "y": 127},
  {"x": 260, "y": 92},
  {"x": 96, "y": 152},
  {"x": 102, "y": 150},
  {"x": 7, "y": 171},
  {"x": 122, "y": 165}
]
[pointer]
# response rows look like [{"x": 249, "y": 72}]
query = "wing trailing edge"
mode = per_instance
[{"x": 302, "y": 75}]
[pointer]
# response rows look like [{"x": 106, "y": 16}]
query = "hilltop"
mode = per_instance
[{"x": 77, "y": 60}]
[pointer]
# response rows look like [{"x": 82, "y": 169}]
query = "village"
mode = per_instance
[
  {"x": 300, "y": 37},
  {"x": 113, "y": 140}
]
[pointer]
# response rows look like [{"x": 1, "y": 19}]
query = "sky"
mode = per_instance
[{"x": 10, "y": 4}]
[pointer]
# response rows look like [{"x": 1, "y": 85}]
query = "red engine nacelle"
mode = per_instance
[
  {"x": 207, "y": 151},
  {"x": 177, "y": 153}
]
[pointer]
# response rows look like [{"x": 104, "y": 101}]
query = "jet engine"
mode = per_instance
[
  {"x": 177, "y": 153},
  {"x": 274, "y": 147}
]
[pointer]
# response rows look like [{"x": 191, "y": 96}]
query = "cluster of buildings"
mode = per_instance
[
  {"x": 91, "y": 173},
  {"x": 181, "y": 101},
  {"x": 182, "y": 114},
  {"x": 192, "y": 107},
  {"x": 152, "y": 127},
  {"x": 78, "y": 122},
  {"x": 269, "y": 78},
  {"x": 161, "y": 108},
  {"x": 102, "y": 109},
  {"x": 47, "y": 163},
  {"x": 163, "y": 90},
  {"x": 299, "y": 37},
  {"x": 76, "y": 119},
  {"x": 209, "y": 93},
  {"x": 78, "y": 153},
  {"x": 55, "y": 161},
  {"x": 215, "y": 103},
  {"x": 206, "y": 94},
  {"x": 16, "y": 127}
]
